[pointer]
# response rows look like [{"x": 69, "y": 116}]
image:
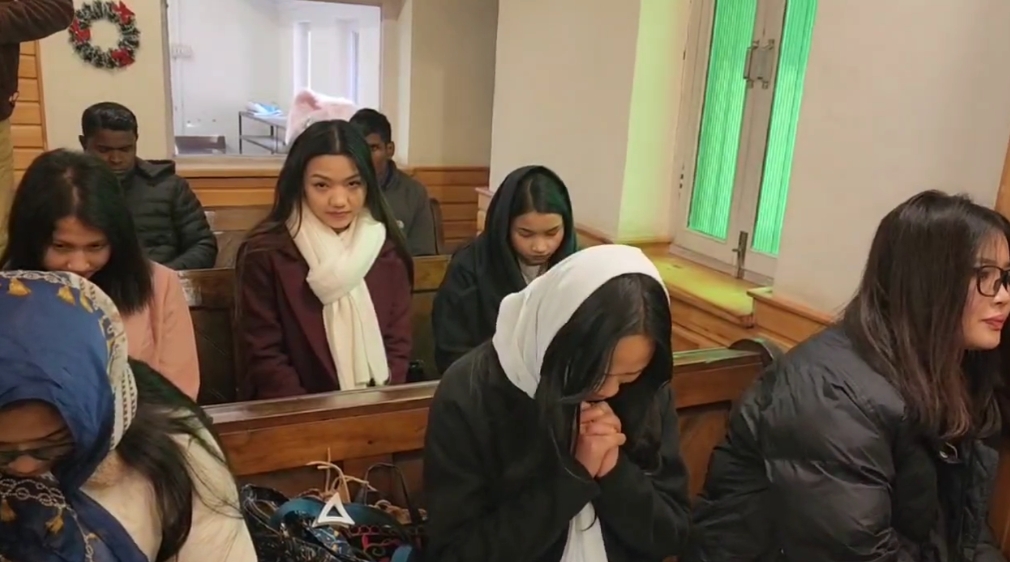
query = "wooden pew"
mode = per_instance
[
  {"x": 231, "y": 224},
  {"x": 211, "y": 297},
  {"x": 270, "y": 442},
  {"x": 436, "y": 217},
  {"x": 428, "y": 274}
]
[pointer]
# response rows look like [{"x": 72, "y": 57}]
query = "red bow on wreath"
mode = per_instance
[
  {"x": 124, "y": 53},
  {"x": 122, "y": 57},
  {"x": 80, "y": 34},
  {"x": 125, "y": 14}
]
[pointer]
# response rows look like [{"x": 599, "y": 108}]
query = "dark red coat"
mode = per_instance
[{"x": 280, "y": 320}]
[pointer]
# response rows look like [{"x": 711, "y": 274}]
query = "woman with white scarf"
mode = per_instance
[
  {"x": 324, "y": 282},
  {"x": 557, "y": 441}
]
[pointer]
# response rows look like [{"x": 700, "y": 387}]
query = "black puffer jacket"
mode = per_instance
[
  {"x": 821, "y": 464},
  {"x": 170, "y": 221}
]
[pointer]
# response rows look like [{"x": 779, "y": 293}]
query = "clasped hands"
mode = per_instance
[{"x": 599, "y": 438}]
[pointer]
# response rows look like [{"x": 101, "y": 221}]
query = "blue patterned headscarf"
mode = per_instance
[{"x": 62, "y": 342}]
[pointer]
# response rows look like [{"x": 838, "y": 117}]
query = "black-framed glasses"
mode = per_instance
[
  {"x": 44, "y": 454},
  {"x": 989, "y": 279}
]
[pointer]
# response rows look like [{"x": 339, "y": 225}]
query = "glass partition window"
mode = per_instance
[
  {"x": 746, "y": 62},
  {"x": 236, "y": 65}
]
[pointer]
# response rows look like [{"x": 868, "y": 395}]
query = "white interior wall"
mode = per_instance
[{"x": 227, "y": 53}]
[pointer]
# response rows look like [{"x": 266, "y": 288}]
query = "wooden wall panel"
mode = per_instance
[
  {"x": 455, "y": 188},
  {"x": 28, "y": 123}
]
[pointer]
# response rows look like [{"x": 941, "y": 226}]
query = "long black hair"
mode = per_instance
[
  {"x": 60, "y": 184},
  {"x": 577, "y": 359},
  {"x": 524, "y": 190},
  {"x": 576, "y": 362},
  {"x": 906, "y": 318},
  {"x": 152, "y": 447},
  {"x": 323, "y": 138}
]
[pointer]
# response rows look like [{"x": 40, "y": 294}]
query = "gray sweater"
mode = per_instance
[{"x": 408, "y": 199}]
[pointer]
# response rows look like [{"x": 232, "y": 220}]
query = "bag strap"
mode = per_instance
[
  {"x": 340, "y": 484},
  {"x": 403, "y": 554},
  {"x": 362, "y": 496},
  {"x": 308, "y": 508}
]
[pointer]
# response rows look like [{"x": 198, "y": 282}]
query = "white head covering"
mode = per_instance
[{"x": 527, "y": 323}]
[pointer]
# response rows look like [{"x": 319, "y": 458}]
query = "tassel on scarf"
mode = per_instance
[
  {"x": 55, "y": 525},
  {"x": 7, "y": 514},
  {"x": 18, "y": 289},
  {"x": 66, "y": 295}
]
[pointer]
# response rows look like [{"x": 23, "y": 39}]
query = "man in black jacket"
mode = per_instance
[{"x": 170, "y": 221}]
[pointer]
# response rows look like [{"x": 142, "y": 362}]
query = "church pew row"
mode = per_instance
[
  {"x": 270, "y": 442},
  {"x": 231, "y": 225},
  {"x": 211, "y": 297}
]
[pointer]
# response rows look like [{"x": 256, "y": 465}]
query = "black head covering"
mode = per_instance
[{"x": 497, "y": 263}]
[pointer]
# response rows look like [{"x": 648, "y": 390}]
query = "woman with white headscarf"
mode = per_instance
[
  {"x": 101, "y": 458},
  {"x": 557, "y": 440}
]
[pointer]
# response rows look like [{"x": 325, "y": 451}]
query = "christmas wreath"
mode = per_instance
[{"x": 124, "y": 53}]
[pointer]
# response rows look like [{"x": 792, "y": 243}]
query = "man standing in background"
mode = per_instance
[{"x": 20, "y": 21}]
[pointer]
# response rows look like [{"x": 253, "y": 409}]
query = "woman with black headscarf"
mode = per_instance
[{"x": 528, "y": 228}]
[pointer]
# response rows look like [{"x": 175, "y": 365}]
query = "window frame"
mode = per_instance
[
  {"x": 174, "y": 110},
  {"x": 758, "y": 105},
  {"x": 301, "y": 53}
]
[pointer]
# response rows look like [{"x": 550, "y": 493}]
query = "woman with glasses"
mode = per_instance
[
  {"x": 870, "y": 441},
  {"x": 101, "y": 458}
]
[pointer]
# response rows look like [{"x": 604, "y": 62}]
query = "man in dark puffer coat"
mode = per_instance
[{"x": 170, "y": 221}]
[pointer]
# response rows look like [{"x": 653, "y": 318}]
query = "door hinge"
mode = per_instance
[
  {"x": 759, "y": 65},
  {"x": 741, "y": 253},
  {"x": 748, "y": 64}
]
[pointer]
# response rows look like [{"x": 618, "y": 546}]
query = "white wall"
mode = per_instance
[
  {"x": 331, "y": 28},
  {"x": 70, "y": 85},
  {"x": 589, "y": 90},
  {"x": 447, "y": 48},
  {"x": 456, "y": 55},
  {"x": 237, "y": 51},
  {"x": 900, "y": 96},
  {"x": 566, "y": 104}
]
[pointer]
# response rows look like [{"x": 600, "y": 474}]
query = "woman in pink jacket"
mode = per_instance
[{"x": 69, "y": 214}]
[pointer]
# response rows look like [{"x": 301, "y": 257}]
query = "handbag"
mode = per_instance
[
  {"x": 397, "y": 528},
  {"x": 283, "y": 529},
  {"x": 292, "y": 536},
  {"x": 381, "y": 531}
]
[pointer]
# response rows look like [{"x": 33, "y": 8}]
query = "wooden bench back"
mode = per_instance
[
  {"x": 436, "y": 218},
  {"x": 211, "y": 297},
  {"x": 270, "y": 442},
  {"x": 428, "y": 274},
  {"x": 231, "y": 224}
]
